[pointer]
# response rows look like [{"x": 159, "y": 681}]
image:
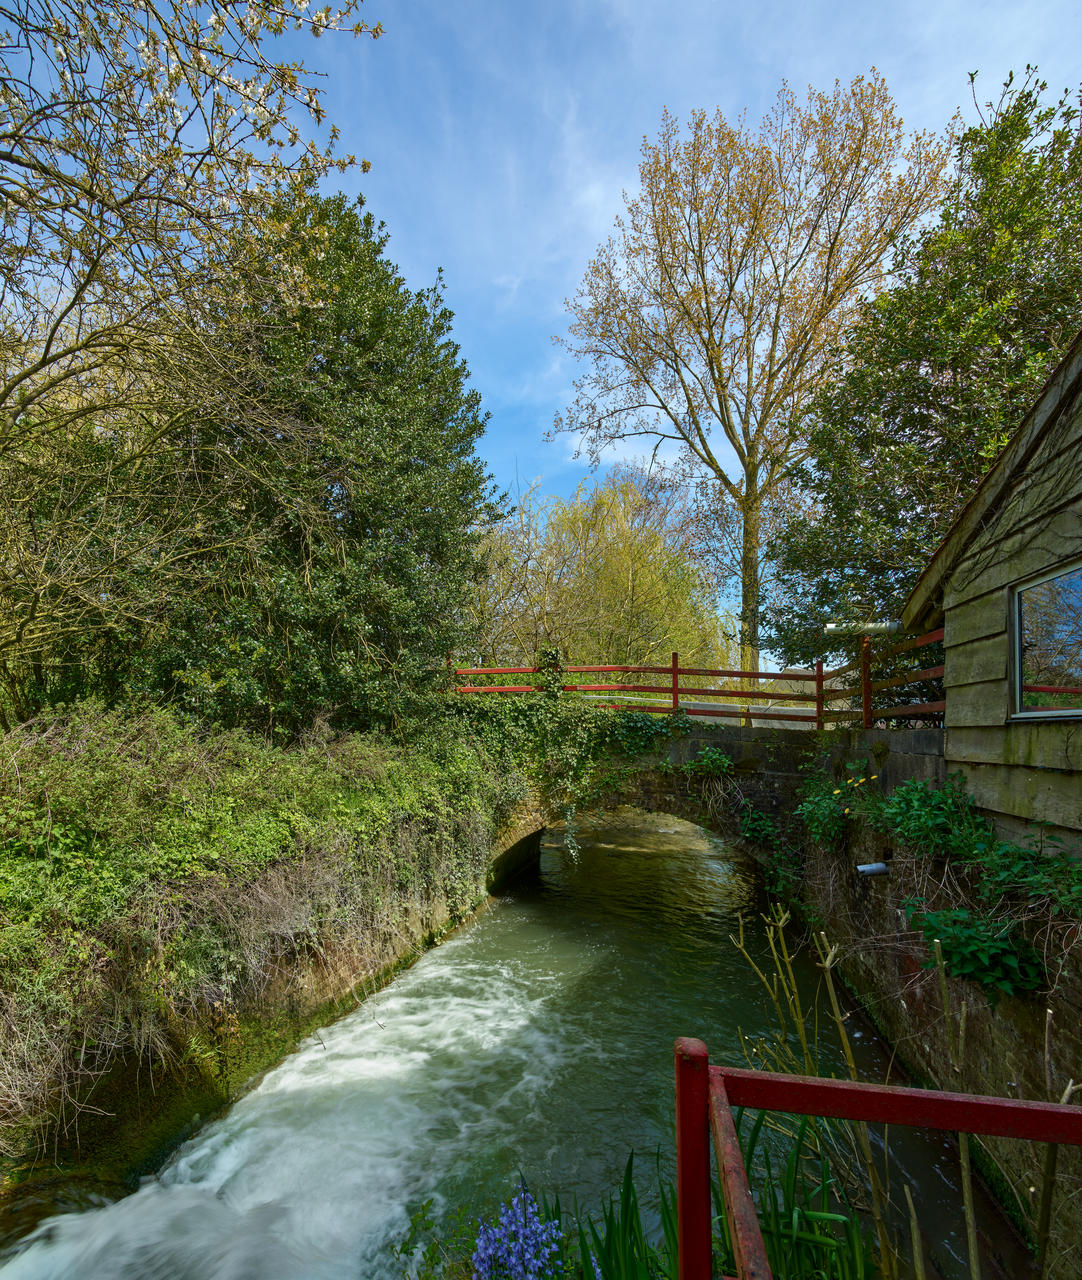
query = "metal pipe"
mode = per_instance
[
  {"x": 872, "y": 868},
  {"x": 890, "y": 628}
]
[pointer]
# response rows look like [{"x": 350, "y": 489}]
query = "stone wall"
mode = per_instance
[
  {"x": 886, "y": 964},
  {"x": 770, "y": 764}
]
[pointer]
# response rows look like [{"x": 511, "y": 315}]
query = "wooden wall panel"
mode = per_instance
[
  {"x": 973, "y": 705},
  {"x": 1028, "y": 744},
  {"x": 1045, "y": 541},
  {"x": 976, "y": 662},
  {"x": 982, "y": 616},
  {"x": 1033, "y": 795}
]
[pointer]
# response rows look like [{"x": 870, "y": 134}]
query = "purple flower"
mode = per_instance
[{"x": 520, "y": 1246}]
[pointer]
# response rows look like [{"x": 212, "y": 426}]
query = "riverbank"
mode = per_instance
[
  {"x": 180, "y": 907},
  {"x": 1002, "y": 1015}
]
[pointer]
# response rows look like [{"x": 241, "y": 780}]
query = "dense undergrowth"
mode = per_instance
[{"x": 158, "y": 875}]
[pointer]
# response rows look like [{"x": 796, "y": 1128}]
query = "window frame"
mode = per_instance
[{"x": 1017, "y": 711}]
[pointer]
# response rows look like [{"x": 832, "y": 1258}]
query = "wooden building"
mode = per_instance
[{"x": 1006, "y": 586}]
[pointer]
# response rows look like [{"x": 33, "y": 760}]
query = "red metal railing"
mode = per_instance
[
  {"x": 813, "y": 711},
  {"x": 868, "y": 714},
  {"x": 705, "y": 1095}
]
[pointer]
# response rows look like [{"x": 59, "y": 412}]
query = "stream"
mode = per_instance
[{"x": 535, "y": 1042}]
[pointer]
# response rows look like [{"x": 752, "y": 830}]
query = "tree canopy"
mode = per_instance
[
  {"x": 938, "y": 371},
  {"x": 606, "y": 576},
  {"x": 330, "y": 579},
  {"x": 708, "y": 318},
  {"x": 144, "y": 148}
]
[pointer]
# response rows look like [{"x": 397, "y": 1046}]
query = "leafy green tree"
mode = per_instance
[
  {"x": 938, "y": 371},
  {"x": 606, "y": 576},
  {"x": 706, "y": 319},
  {"x": 350, "y": 602},
  {"x": 143, "y": 148}
]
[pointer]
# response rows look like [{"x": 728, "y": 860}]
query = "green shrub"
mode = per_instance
[
  {"x": 711, "y": 762},
  {"x": 824, "y": 807},
  {"x": 934, "y": 821},
  {"x": 984, "y": 951}
]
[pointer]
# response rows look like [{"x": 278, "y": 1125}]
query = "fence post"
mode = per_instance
[
  {"x": 694, "y": 1248},
  {"x": 819, "y": 694},
  {"x": 866, "y": 679},
  {"x": 676, "y": 682}
]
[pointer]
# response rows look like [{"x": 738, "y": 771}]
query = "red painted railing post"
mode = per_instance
[
  {"x": 693, "y": 1234},
  {"x": 866, "y": 679},
  {"x": 676, "y": 682},
  {"x": 819, "y": 694}
]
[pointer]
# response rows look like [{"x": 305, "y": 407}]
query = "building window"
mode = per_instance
[{"x": 1048, "y": 645}]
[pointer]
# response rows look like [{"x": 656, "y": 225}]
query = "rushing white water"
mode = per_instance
[
  {"x": 505, "y": 1050},
  {"x": 537, "y": 1041}
]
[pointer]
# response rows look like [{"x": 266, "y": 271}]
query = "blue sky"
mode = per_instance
[{"x": 501, "y": 136}]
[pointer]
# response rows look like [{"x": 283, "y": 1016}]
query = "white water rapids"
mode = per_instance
[{"x": 537, "y": 1041}]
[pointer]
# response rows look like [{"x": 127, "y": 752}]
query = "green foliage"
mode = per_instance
[
  {"x": 331, "y": 583},
  {"x": 711, "y": 762},
  {"x": 940, "y": 369},
  {"x": 809, "y": 1229},
  {"x": 618, "y": 1247},
  {"x": 153, "y": 875},
  {"x": 985, "y": 951},
  {"x": 941, "y": 822},
  {"x": 758, "y": 827},
  {"x": 982, "y": 940},
  {"x": 572, "y": 751},
  {"x": 937, "y": 822}
]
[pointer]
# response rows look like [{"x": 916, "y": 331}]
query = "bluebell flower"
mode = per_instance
[{"x": 520, "y": 1246}]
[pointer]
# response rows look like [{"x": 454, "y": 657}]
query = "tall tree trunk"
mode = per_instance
[{"x": 749, "y": 576}]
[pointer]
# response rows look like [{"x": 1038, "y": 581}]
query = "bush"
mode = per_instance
[{"x": 984, "y": 951}]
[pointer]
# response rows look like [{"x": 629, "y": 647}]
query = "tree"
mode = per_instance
[
  {"x": 939, "y": 370},
  {"x": 606, "y": 576},
  {"x": 708, "y": 318},
  {"x": 355, "y": 592},
  {"x": 142, "y": 148}
]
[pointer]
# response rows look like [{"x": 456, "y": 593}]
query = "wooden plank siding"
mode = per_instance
[
  {"x": 983, "y": 615},
  {"x": 1025, "y": 520},
  {"x": 1036, "y": 745},
  {"x": 1034, "y": 544},
  {"x": 1031, "y": 794},
  {"x": 977, "y": 661},
  {"x": 977, "y": 704}
]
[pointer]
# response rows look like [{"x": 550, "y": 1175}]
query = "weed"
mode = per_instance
[{"x": 984, "y": 951}]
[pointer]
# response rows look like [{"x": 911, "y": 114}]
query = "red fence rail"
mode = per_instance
[
  {"x": 705, "y": 1095},
  {"x": 812, "y": 707}
]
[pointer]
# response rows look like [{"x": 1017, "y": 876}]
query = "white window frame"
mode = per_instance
[{"x": 1018, "y": 712}]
